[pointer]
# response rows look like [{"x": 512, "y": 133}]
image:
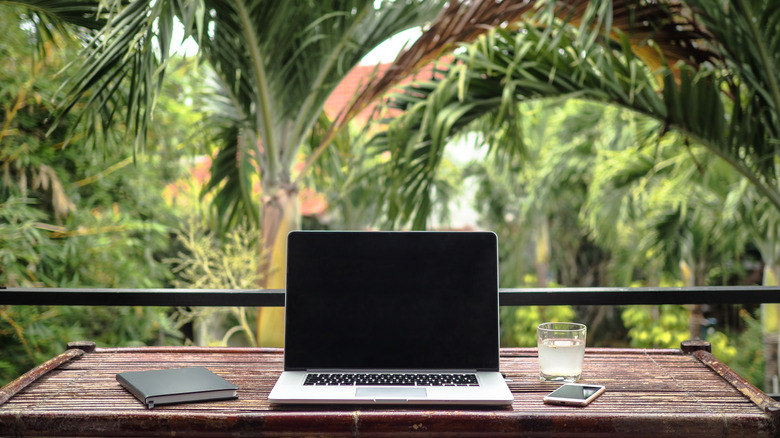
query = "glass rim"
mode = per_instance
[{"x": 574, "y": 326}]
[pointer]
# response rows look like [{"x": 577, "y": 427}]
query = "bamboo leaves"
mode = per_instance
[{"x": 707, "y": 72}]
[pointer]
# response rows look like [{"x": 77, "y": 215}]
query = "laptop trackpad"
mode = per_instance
[{"x": 391, "y": 393}]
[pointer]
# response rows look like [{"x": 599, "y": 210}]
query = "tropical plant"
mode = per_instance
[
  {"x": 274, "y": 64},
  {"x": 210, "y": 261},
  {"x": 71, "y": 216},
  {"x": 519, "y": 323},
  {"x": 30, "y": 335},
  {"x": 761, "y": 221},
  {"x": 750, "y": 362},
  {"x": 660, "y": 208},
  {"x": 535, "y": 202},
  {"x": 706, "y": 70}
]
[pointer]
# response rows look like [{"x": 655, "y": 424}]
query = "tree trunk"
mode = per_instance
[
  {"x": 542, "y": 254},
  {"x": 770, "y": 320},
  {"x": 280, "y": 216}
]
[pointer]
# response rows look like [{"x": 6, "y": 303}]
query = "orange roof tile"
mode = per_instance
[{"x": 358, "y": 77}]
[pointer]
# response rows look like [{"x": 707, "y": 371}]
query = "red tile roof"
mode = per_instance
[{"x": 358, "y": 77}]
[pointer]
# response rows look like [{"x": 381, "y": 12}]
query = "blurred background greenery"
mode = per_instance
[{"x": 591, "y": 172}]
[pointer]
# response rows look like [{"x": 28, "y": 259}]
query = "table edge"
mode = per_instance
[
  {"x": 23, "y": 381},
  {"x": 766, "y": 403}
]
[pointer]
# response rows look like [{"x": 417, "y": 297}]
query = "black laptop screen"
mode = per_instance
[{"x": 392, "y": 300}]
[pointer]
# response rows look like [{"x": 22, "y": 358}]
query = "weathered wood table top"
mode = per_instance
[{"x": 649, "y": 393}]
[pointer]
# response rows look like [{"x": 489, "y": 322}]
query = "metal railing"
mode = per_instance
[{"x": 275, "y": 297}]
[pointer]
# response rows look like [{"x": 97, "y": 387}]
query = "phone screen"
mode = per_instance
[{"x": 577, "y": 392}]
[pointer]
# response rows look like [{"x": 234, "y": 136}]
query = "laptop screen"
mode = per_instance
[{"x": 392, "y": 300}]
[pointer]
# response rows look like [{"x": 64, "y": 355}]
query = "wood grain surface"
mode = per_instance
[{"x": 652, "y": 393}]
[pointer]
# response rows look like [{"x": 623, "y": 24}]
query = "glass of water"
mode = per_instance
[{"x": 561, "y": 351}]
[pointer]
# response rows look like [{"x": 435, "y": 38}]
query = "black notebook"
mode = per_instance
[{"x": 178, "y": 385}]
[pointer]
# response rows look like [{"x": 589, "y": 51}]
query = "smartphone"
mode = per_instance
[{"x": 574, "y": 394}]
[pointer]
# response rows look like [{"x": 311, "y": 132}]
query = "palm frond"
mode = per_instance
[
  {"x": 660, "y": 33},
  {"x": 458, "y": 23},
  {"x": 123, "y": 68},
  {"x": 551, "y": 62},
  {"x": 498, "y": 71},
  {"x": 432, "y": 113},
  {"x": 232, "y": 201},
  {"x": 744, "y": 37},
  {"x": 234, "y": 167},
  {"x": 50, "y": 19}
]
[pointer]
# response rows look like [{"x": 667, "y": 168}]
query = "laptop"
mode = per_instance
[{"x": 391, "y": 317}]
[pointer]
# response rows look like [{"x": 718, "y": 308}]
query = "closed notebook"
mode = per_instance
[{"x": 178, "y": 385}]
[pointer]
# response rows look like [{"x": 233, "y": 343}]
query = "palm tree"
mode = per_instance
[
  {"x": 274, "y": 64},
  {"x": 671, "y": 203},
  {"x": 704, "y": 69},
  {"x": 539, "y": 192}
]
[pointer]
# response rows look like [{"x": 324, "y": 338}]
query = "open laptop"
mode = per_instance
[{"x": 391, "y": 317}]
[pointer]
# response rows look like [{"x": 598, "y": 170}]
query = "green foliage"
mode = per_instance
[
  {"x": 206, "y": 261},
  {"x": 534, "y": 200},
  {"x": 523, "y": 321},
  {"x": 749, "y": 363},
  {"x": 345, "y": 176},
  {"x": 663, "y": 326},
  {"x": 722, "y": 347},
  {"x": 666, "y": 326},
  {"x": 707, "y": 104},
  {"x": 272, "y": 66},
  {"x": 30, "y": 335},
  {"x": 74, "y": 216},
  {"x": 22, "y": 245},
  {"x": 518, "y": 323}
]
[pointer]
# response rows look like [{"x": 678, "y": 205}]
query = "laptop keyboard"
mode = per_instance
[{"x": 392, "y": 379}]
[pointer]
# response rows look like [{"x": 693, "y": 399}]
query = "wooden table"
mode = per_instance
[{"x": 649, "y": 393}]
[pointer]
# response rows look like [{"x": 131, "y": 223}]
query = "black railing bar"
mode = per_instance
[
  {"x": 578, "y": 296},
  {"x": 275, "y": 297},
  {"x": 143, "y": 297}
]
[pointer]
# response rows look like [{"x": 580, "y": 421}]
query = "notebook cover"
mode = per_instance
[{"x": 177, "y": 385}]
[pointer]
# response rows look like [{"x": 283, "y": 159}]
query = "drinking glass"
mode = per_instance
[{"x": 561, "y": 351}]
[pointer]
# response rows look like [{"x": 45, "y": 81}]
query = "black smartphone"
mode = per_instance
[{"x": 574, "y": 394}]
